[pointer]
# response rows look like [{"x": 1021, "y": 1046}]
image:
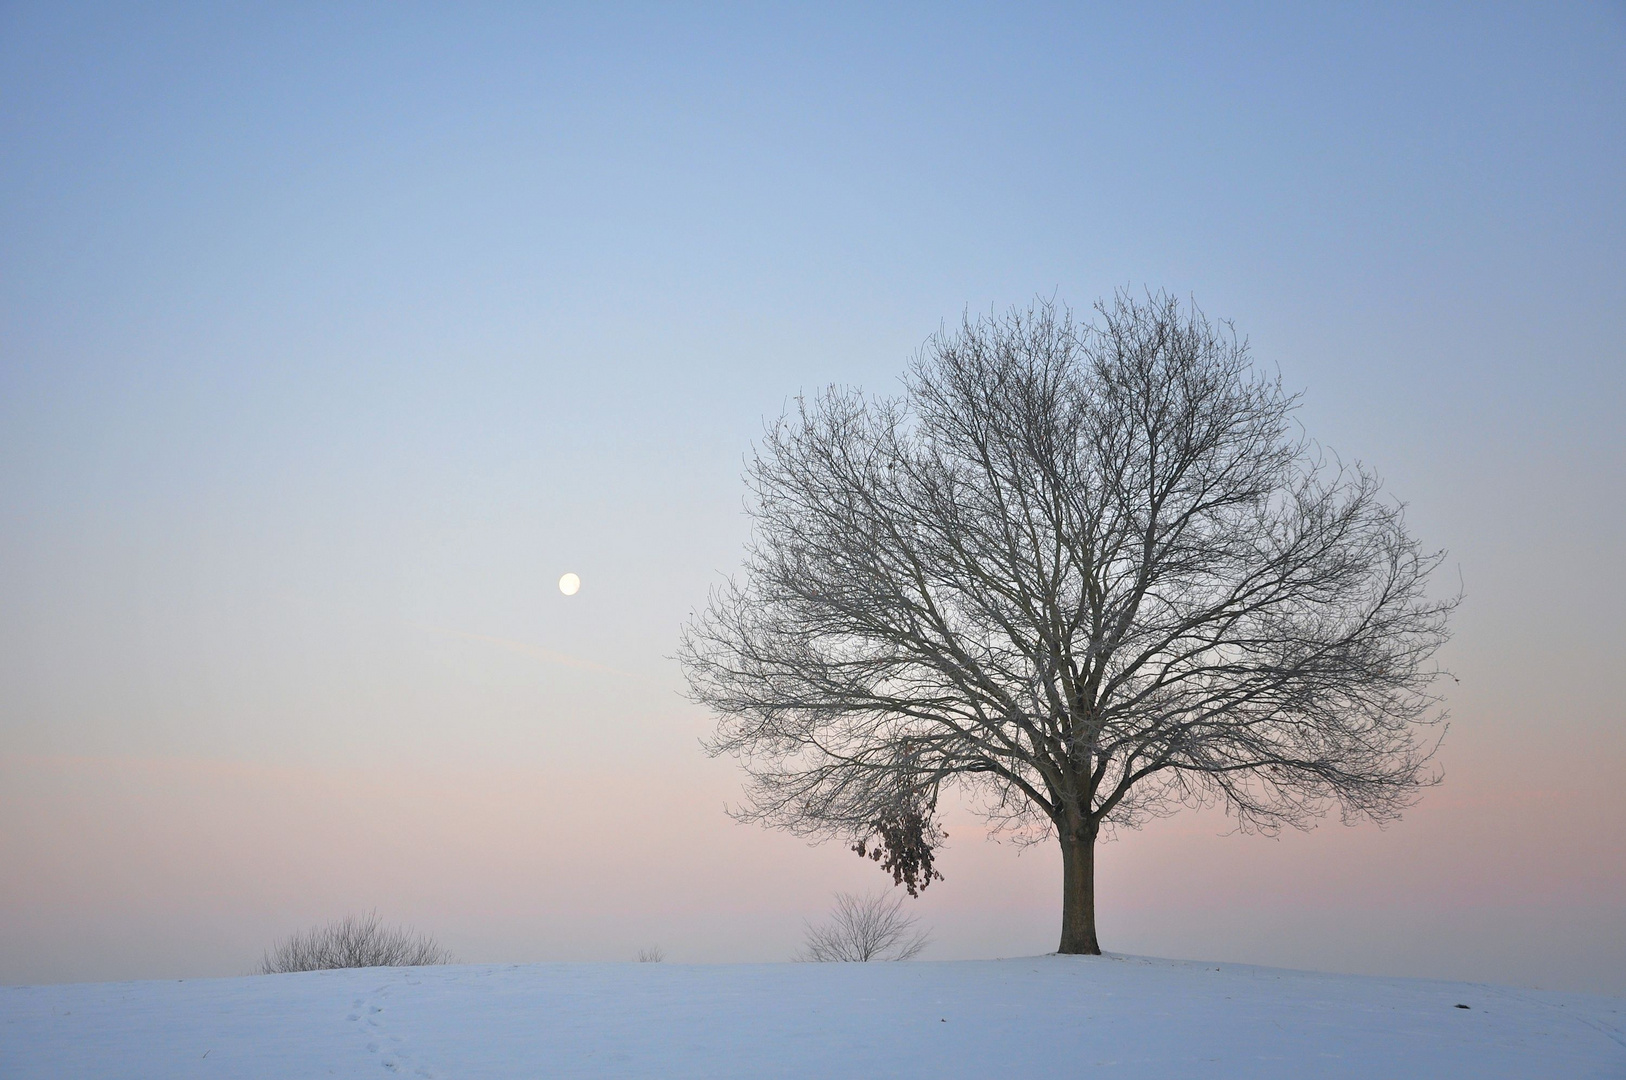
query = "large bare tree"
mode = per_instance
[{"x": 1086, "y": 572}]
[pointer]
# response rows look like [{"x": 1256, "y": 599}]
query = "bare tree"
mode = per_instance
[
  {"x": 355, "y": 941},
  {"x": 654, "y": 954},
  {"x": 1085, "y": 572},
  {"x": 872, "y": 927}
]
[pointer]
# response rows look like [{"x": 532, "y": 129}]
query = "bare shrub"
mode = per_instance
[
  {"x": 654, "y": 954},
  {"x": 871, "y": 927},
  {"x": 355, "y": 941}
]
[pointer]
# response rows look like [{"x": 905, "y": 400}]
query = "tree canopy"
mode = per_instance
[{"x": 1088, "y": 572}]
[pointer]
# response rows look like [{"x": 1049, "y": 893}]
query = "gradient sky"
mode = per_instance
[{"x": 330, "y": 338}]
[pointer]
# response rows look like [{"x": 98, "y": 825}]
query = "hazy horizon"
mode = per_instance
[{"x": 329, "y": 340}]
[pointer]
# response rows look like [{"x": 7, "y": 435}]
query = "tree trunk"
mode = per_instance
[{"x": 1078, "y": 894}]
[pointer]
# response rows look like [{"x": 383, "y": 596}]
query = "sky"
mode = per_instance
[{"x": 331, "y": 336}]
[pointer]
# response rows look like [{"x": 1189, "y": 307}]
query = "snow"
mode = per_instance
[{"x": 1047, "y": 1016}]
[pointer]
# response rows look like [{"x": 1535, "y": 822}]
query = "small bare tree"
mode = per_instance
[
  {"x": 355, "y": 941},
  {"x": 1086, "y": 573},
  {"x": 872, "y": 927},
  {"x": 654, "y": 954}
]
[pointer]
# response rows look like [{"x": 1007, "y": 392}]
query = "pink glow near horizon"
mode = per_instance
[{"x": 515, "y": 864}]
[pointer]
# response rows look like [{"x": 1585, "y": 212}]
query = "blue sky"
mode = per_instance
[{"x": 329, "y": 338}]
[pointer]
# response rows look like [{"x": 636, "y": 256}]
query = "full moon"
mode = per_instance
[{"x": 569, "y": 584}]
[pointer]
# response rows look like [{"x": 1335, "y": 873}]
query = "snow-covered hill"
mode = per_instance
[{"x": 1041, "y": 1017}]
